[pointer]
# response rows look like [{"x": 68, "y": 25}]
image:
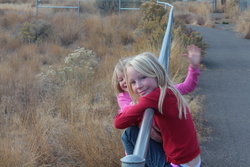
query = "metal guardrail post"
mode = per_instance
[
  {"x": 78, "y": 8},
  {"x": 119, "y": 5},
  {"x": 36, "y": 7},
  {"x": 137, "y": 159}
]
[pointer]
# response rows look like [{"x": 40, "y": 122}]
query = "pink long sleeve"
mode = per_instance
[{"x": 190, "y": 82}]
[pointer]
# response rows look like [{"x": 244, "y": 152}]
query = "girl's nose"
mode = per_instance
[{"x": 124, "y": 83}]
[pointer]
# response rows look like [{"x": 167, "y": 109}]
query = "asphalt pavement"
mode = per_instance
[{"x": 225, "y": 83}]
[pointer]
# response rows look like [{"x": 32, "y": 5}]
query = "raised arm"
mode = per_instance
[
  {"x": 194, "y": 56},
  {"x": 191, "y": 81}
]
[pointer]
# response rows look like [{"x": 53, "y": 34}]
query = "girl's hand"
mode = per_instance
[
  {"x": 132, "y": 103},
  {"x": 155, "y": 134},
  {"x": 194, "y": 55}
]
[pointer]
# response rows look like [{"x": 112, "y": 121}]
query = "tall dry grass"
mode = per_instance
[
  {"x": 197, "y": 13},
  {"x": 24, "y": 7},
  {"x": 239, "y": 18},
  {"x": 59, "y": 125},
  {"x": 243, "y": 24},
  {"x": 64, "y": 117},
  {"x": 232, "y": 10}
]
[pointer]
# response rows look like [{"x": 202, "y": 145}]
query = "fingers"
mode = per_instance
[
  {"x": 193, "y": 48},
  {"x": 185, "y": 55},
  {"x": 193, "y": 55}
]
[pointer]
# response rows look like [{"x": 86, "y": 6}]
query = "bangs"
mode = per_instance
[{"x": 143, "y": 65}]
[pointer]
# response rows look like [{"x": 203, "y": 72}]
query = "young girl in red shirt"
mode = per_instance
[{"x": 150, "y": 87}]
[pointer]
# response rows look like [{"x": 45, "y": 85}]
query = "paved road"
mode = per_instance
[{"x": 225, "y": 82}]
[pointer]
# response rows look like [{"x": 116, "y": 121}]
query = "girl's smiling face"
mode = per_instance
[
  {"x": 121, "y": 81},
  {"x": 140, "y": 84}
]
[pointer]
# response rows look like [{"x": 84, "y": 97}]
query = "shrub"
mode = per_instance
[
  {"x": 79, "y": 66},
  {"x": 187, "y": 35},
  {"x": 35, "y": 31},
  {"x": 153, "y": 22}
]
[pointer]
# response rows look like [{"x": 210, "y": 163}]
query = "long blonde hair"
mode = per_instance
[
  {"x": 119, "y": 67},
  {"x": 148, "y": 65}
]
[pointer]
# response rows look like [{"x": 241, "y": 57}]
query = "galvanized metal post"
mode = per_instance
[
  {"x": 78, "y": 8},
  {"x": 36, "y": 7},
  {"x": 215, "y": 5},
  {"x": 119, "y": 6}
]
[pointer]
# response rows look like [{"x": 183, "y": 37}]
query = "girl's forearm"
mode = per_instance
[{"x": 190, "y": 82}]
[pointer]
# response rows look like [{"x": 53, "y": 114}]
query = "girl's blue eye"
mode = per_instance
[{"x": 143, "y": 77}]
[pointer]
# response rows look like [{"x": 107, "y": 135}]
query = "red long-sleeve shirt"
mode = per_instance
[{"x": 179, "y": 136}]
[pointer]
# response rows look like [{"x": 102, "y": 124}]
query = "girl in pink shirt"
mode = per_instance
[{"x": 150, "y": 87}]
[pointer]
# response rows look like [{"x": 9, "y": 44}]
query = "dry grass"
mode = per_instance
[
  {"x": 25, "y": 7},
  {"x": 197, "y": 109},
  {"x": 197, "y": 13},
  {"x": 66, "y": 119},
  {"x": 66, "y": 30},
  {"x": 178, "y": 63},
  {"x": 11, "y": 149},
  {"x": 70, "y": 125},
  {"x": 8, "y": 43},
  {"x": 231, "y": 10},
  {"x": 243, "y": 24},
  {"x": 16, "y": 1},
  {"x": 240, "y": 18}
]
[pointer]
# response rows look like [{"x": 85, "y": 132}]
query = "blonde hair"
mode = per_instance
[
  {"x": 119, "y": 67},
  {"x": 148, "y": 65}
]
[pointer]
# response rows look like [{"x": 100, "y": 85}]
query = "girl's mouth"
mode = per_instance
[{"x": 142, "y": 93}]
